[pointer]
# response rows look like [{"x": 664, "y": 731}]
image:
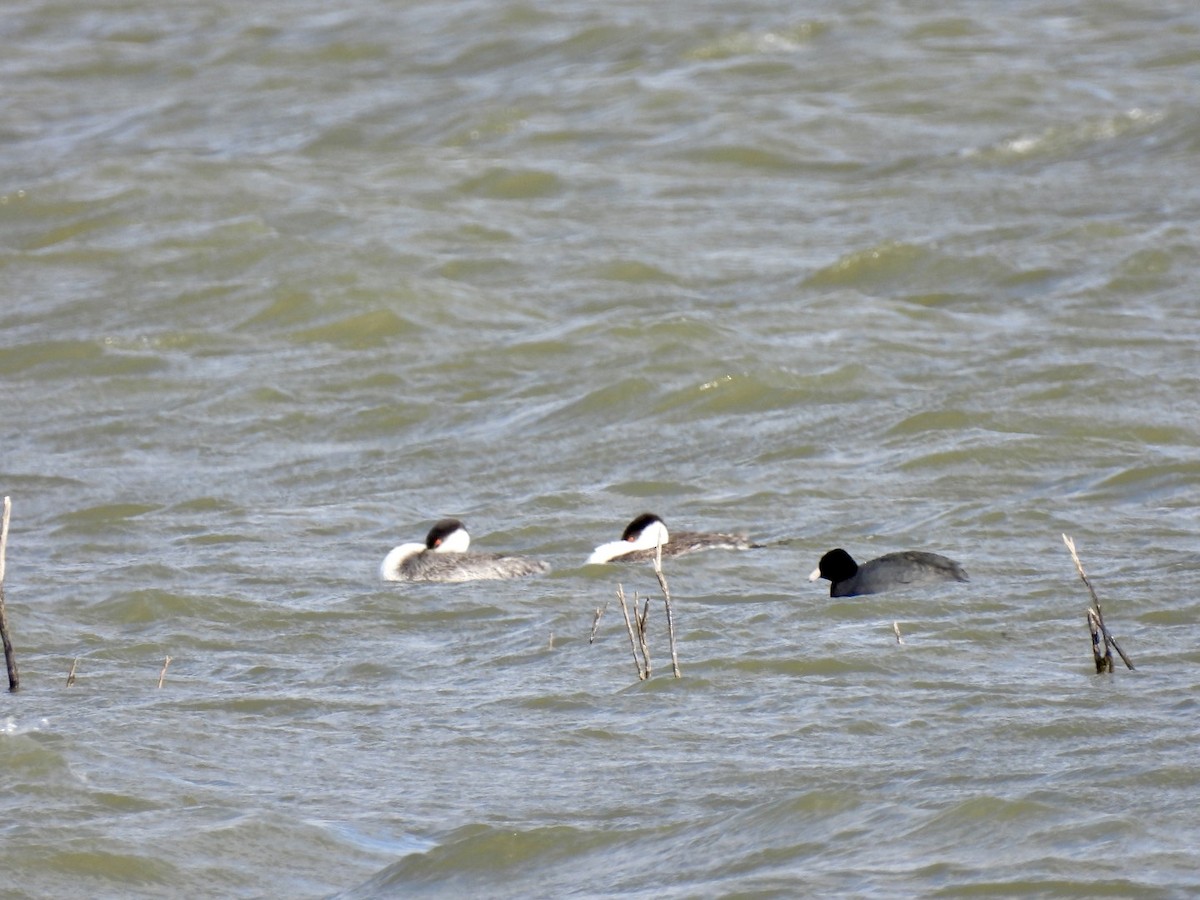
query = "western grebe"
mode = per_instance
[
  {"x": 444, "y": 558},
  {"x": 642, "y": 536}
]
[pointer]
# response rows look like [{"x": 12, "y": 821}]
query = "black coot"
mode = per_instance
[{"x": 887, "y": 573}]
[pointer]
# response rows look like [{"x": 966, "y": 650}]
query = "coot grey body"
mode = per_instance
[{"x": 890, "y": 572}]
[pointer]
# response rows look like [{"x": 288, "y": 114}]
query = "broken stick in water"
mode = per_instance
[
  {"x": 643, "y": 673},
  {"x": 71, "y": 674},
  {"x": 896, "y": 628},
  {"x": 162, "y": 675},
  {"x": 1096, "y": 624},
  {"x": 641, "y": 628},
  {"x": 10, "y": 659},
  {"x": 662, "y": 583},
  {"x": 600, "y": 610}
]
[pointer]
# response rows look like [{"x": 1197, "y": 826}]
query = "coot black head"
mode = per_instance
[{"x": 836, "y": 565}]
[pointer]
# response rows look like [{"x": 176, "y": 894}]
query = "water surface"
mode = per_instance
[{"x": 282, "y": 285}]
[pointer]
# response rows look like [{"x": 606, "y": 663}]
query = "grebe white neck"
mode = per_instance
[
  {"x": 648, "y": 538},
  {"x": 389, "y": 569}
]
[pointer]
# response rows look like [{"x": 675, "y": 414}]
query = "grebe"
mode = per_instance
[
  {"x": 889, "y": 572},
  {"x": 642, "y": 536},
  {"x": 444, "y": 558}
]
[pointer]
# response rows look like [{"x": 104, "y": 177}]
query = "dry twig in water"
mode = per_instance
[
  {"x": 1096, "y": 624},
  {"x": 162, "y": 675},
  {"x": 10, "y": 659},
  {"x": 641, "y": 628},
  {"x": 662, "y": 583},
  {"x": 896, "y": 628},
  {"x": 600, "y": 610},
  {"x": 71, "y": 674},
  {"x": 643, "y": 671}
]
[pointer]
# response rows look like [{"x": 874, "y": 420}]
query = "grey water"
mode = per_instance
[{"x": 282, "y": 284}]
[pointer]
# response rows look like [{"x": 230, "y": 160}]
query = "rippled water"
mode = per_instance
[{"x": 282, "y": 285}]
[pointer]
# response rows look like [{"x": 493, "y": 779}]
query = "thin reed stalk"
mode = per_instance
[
  {"x": 662, "y": 583},
  {"x": 162, "y": 675},
  {"x": 600, "y": 611},
  {"x": 10, "y": 658},
  {"x": 642, "y": 670},
  {"x": 643, "y": 643}
]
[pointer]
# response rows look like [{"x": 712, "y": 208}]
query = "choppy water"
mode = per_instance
[{"x": 281, "y": 285}]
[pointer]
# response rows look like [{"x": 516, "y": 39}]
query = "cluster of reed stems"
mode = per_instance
[{"x": 635, "y": 625}]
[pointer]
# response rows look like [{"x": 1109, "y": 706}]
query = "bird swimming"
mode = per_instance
[
  {"x": 444, "y": 558},
  {"x": 891, "y": 571},
  {"x": 640, "y": 540}
]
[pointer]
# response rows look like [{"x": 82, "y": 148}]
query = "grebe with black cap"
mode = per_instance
[
  {"x": 639, "y": 542},
  {"x": 444, "y": 558}
]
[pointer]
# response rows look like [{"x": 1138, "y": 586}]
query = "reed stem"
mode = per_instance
[
  {"x": 600, "y": 611},
  {"x": 643, "y": 674},
  {"x": 162, "y": 675},
  {"x": 10, "y": 658},
  {"x": 662, "y": 583}
]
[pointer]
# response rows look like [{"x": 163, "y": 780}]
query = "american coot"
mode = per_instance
[
  {"x": 444, "y": 557},
  {"x": 889, "y": 572},
  {"x": 641, "y": 538}
]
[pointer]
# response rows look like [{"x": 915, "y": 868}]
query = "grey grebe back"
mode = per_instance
[{"x": 444, "y": 558}]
